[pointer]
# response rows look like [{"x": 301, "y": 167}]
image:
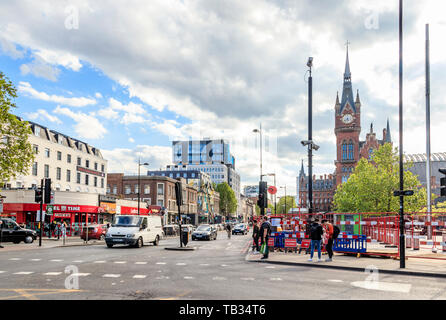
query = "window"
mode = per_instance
[
  {"x": 36, "y": 148},
  {"x": 127, "y": 189},
  {"x": 96, "y": 166},
  {"x": 115, "y": 190},
  {"x": 37, "y": 131},
  {"x": 59, "y": 155},
  {"x": 68, "y": 175},
  {"x": 87, "y": 163},
  {"x": 160, "y": 202},
  {"x": 78, "y": 177},
  {"x": 47, "y": 152},
  {"x": 350, "y": 151},
  {"x": 35, "y": 169},
  {"x": 60, "y": 139},
  {"x": 95, "y": 181},
  {"x": 102, "y": 182},
  {"x": 79, "y": 161},
  {"x": 102, "y": 168},
  {"x": 136, "y": 188},
  {"x": 108, "y": 189},
  {"x": 160, "y": 189},
  {"x": 149, "y": 201},
  {"x": 58, "y": 173},
  {"x": 146, "y": 189},
  {"x": 68, "y": 158},
  {"x": 47, "y": 171},
  {"x": 86, "y": 179}
]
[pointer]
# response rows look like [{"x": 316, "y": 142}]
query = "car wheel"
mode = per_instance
[
  {"x": 109, "y": 245},
  {"x": 29, "y": 239},
  {"x": 139, "y": 243},
  {"x": 157, "y": 241}
]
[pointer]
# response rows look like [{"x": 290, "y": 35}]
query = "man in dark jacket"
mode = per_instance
[
  {"x": 255, "y": 235},
  {"x": 316, "y": 238},
  {"x": 265, "y": 232}
]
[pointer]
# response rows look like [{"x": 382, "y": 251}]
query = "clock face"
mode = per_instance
[{"x": 347, "y": 118}]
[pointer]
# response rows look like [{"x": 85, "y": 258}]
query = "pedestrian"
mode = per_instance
[
  {"x": 255, "y": 236},
  {"x": 1, "y": 233},
  {"x": 63, "y": 229},
  {"x": 58, "y": 230},
  {"x": 316, "y": 238},
  {"x": 229, "y": 230},
  {"x": 328, "y": 227},
  {"x": 265, "y": 232}
]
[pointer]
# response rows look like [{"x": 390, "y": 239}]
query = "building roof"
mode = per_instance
[{"x": 421, "y": 157}]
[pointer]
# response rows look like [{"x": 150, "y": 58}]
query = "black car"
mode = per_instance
[
  {"x": 205, "y": 231},
  {"x": 10, "y": 231},
  {"x": 240, "y": 228}
]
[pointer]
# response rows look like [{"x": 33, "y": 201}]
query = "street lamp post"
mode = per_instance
[
  {"x": 139, "y": 181},
  {"x": 262, "y": 210}
]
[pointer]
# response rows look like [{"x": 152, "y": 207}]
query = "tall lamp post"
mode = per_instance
[
  {"x": 262, "y": 210},
  {"x": 139, "y": 181},
  {"x": 284, "y": 187}
]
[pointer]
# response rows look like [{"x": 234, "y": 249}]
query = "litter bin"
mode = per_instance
[{"x": 185, "y": 236}]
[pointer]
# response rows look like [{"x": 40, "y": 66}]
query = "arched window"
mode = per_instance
[
  {"x": 344, "y": 150},
  {"x": 350, "y": 150}
]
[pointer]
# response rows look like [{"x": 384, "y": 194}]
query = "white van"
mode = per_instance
[{"x": 134, "y": 230}]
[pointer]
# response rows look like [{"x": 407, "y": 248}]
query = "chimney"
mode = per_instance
[{"x": 384, "y": 134}]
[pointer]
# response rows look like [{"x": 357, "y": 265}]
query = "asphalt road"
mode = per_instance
[{"x": 217, "y": 270}]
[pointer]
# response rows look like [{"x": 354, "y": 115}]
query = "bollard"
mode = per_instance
[{"x": 416, "y": 239}]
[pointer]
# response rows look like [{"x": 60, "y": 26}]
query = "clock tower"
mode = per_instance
[{"x": 347, "y": 128}]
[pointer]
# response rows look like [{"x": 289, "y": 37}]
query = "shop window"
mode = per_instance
[{"x": 59, "y": 155}]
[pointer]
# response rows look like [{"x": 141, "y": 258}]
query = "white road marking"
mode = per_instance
[
  {"x": 247, "y": 279},
  {"x": 181, "y": 264},
  {"x": 120, "y": 262},
  {"x": 81, "y": 274},
  {"x": 270, "y": 267},
  {"x": 204, "y": 264},
  {"x": 101, "y": 261},
  {"x": 56, "y": 260},
  {"x": 275, "y": 279},
  {"x": 24, "y": 272},
  {"x": 78, "y": 261},
  {"x": 139, "y": 276},
  {"x": 383, "y": 286},
  {"x": 335, "y": 280},
  {"x": 160, "y": 263},
  {"x": 15, "y": 259},
  {"x": 35, "y": 259},
  {"x": 2, "y": 271},
  {"x": 188, "y": 278},
  {"x": 111, "y": 275},
  {"x": 141, "y": 262},
  {"x": 162, "y": 277},
  {"x": 52, "y": 273},
  {"x": 224, "y": 265}
]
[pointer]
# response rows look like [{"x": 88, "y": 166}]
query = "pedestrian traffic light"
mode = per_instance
[
  {"x": 47, "y": 195},
  {"x": 443, "y": 183},
  {"x": 38, "y": 195}
]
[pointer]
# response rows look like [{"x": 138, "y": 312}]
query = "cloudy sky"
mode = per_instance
[{"x": 129, "y": 77}]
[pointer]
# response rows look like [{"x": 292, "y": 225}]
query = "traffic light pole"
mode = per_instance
[{"x": 310, "y": 146}]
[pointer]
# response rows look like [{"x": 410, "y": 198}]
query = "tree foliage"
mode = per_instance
[
  {"x": 370, "y": 187},
  {"x": 228, "y": 201},
  {"x": 290, "y": 203},
  {"x": 16, "y": 153}
]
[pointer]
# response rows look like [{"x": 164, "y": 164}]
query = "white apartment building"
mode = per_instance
[{"x": 72, "y": 165}]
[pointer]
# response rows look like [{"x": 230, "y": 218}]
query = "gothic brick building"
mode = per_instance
[{"x": 349, "y": 149}]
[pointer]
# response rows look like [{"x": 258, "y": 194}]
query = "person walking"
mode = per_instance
[
  {"x": 255, "y": 236},
  {"x": 328, "y": 227},
  {"x": 58, "y": 230},
  {"x": 228, "y": 230},
  {"x": 1, "y": 233},
  {"x": 265, "y": 232},
  {"x": 316, "y": 238},
  {"x": 63, "y": 229}
]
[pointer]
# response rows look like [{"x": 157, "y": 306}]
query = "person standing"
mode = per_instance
[
  {"x": 1, "y": 233},
  {"x": 316, "y": 238},
  {"x": 328, "y": 227},
  {"x": 255, "y": 236},
  {"x": 229, "y": 230},
  {"x": 63, "y": 229},
  {"x": 265, "y": 232}
]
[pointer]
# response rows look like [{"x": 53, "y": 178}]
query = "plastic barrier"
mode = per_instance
[
  {"x": 291, "y": 244},
  {"x": 350, "y": 243}
]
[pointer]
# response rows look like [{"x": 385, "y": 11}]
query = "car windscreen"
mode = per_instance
[
  {"x": 204, "y": 228},
  {"x": 240, "y": 226},
  {"x": 127, "y": 221}
]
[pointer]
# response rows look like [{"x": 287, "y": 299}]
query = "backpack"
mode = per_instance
[
  {"x": 336, "y": 232},
  {"x": 314, "y": 231}
]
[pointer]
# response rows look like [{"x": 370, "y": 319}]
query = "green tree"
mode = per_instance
[
  {"x": 370, "y": 187},
  {"x": 228, "y": 201},
  {"x": 290, "y": 203},
  {"x": 16, "y": 154}
]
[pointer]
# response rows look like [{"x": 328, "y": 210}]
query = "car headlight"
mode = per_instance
[{"x": 131, "y": 235}]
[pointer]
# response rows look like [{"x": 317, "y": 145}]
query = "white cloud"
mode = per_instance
[
  {"x": 41, "y": 69},
  {"x": 131, "y": 140},
  {"x": 43, "y": 114},
  {"x": 87, "y": 126},
  {"x": 27, "y": 89},
  {"x": 98, "y": 95}
]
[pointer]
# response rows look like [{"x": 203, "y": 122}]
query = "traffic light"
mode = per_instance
[
  {"x": 443, "y": 183},
  {"x": 47, "y": 195},
  {"x": 179, "y": 193},
  {"x": 38, "y": 195},
  {"x": 263, "y": 195}
]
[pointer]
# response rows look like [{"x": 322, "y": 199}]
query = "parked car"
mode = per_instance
[
  {"x": 171, "y": 229},
  {"x": 205, "y": 231},
  {"x": 10, "y": 231},
  {"x": 95, "y": 231},
  {"x": 240, "y": 228},
  {"x": 134, "y": 230}
]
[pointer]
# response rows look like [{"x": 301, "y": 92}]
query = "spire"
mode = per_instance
[
  {"x": 347, "y": 92},
  {"x": 337, "y": 97},
  {"x": 371, "y": 127},
  {"x": 388, "y": 137},
  {"x": 357, "y": 97},
  {"x": 301, "y": 173}
]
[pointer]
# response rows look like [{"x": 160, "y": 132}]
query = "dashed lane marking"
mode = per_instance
[
  {"x": 24, "y": 272},
  {"x": 35, "y": 259},
  {"x": 78, "y": 261},
  {"x": 81, "y": 274},
  {"x": 247, "y": 279},
  {"x": 141, "y": 262},
  {"x": 52, "y": 273},
  {"x": 100, "y": 261},
  {"x": 188, "y": 278},
  {"x": 111, "y": 275},
  {"x": 160, "y": 263},
  {"x": 120, "y": 262},
  {"x": 181, "y": 264},
  {"x": 56, "y": 260},
  {"x": 139, "y": 276},
  {"x": 15, "y": 259},
  {"x": 335, "y": 280},
  {"x": 275, "y": 279}
]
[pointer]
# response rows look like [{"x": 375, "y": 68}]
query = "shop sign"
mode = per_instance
[
  {"x": 89, "y": 171},
  {"x": 62, "y": 215},
  {"x": 109, "y": 207}
]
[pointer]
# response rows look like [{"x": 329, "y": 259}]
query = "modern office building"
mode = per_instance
[{"x": 72, "y": 165}]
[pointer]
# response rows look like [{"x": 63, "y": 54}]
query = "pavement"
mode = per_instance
[{"x": 413, "y": 266}]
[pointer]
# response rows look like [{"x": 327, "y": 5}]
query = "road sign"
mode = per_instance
[
  {"x": 49, "y": 210},
  {"x": 272, "y": 189}
]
